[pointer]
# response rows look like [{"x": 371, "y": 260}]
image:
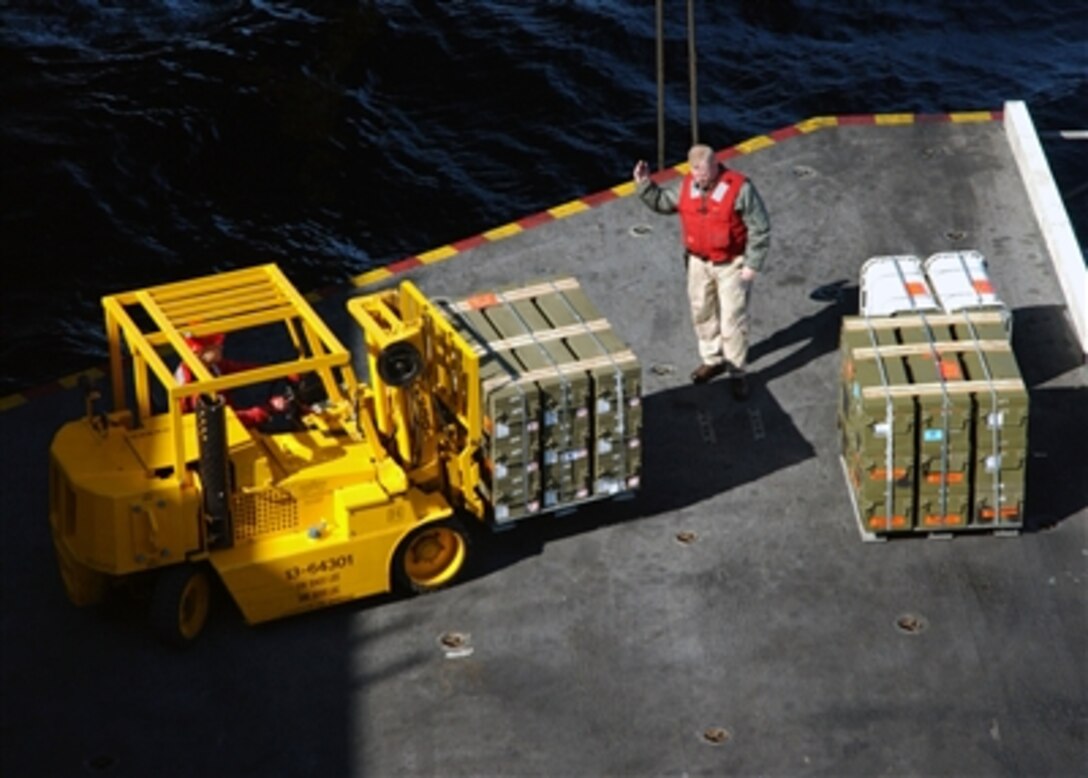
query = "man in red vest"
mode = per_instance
[
  {"x": 209, "y": 349},
  {"x": 726, "y": 235}
]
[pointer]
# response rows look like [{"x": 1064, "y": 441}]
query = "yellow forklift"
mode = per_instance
[{"x": 358, "y": 489}]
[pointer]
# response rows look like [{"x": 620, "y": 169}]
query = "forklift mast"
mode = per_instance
[{"x": 425, "y": 382}]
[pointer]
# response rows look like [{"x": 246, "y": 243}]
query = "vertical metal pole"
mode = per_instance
[
  {"x": 660, "y": 85},
  {"x": 691, "y": 71},
  {"x": 214, "y": 466}
]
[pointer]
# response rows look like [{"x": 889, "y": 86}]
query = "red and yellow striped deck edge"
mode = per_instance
[{"x": 578, "y": 205}]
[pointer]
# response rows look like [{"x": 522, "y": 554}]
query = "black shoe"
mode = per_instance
[
  {"x": 704, "y": 372},
  {"x": 738, "y": 384}
]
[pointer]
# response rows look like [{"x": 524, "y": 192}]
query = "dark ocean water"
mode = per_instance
[{"x": 148, "y": 141}]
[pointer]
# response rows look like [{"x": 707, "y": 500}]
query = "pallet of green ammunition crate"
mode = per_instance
[
  {"x": 562, "y": 397},
  {"x": 933, "y": 422}
]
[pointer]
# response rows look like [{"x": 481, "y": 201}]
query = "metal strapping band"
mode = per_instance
[
  {"x": 903, "y": 281},
  {"x": 889, "y": 420},
  {"x": 970, "y": 278},
  {"x": 995, "y": 437},
  {"x": 945, "y": 404}
]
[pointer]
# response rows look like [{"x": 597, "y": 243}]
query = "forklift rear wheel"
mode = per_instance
[
  {"x": 180, "y": 604},
  {"x": 432, "y": 557}
]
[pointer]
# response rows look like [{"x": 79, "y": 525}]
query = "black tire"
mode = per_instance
[
  {"x": 180, "y": 604},
  {"x": 431, "y": 557}
]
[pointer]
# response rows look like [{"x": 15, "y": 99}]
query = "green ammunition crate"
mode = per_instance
[
  {"x": 617, "y": 464},
  {"x": 933, "y": 422},
  {"x": 998, "y": 497},
  {"x": 617, "y": 408},
  {"x": 511, "y": 428},
  {"x": 614, "y": 370},
  {"x": 562, "y": 397},
  {"x": 885, "y": 497},
  {"x": 943, "y": 513}
]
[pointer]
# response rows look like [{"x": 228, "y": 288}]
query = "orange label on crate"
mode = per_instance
[
  {"x": 937, "y": 520},
  {"x": 1008, "y": 512},
  {"x": 983, "y": 286},
  {"x": 950, "y": 370},
  {"x": 880, "y": 474},
  {"x": 880, "y": 522},
  {"x": 952, "y": 478},
  {"x": 916, "y": 288},
  {"x": 485, "y": 300}
]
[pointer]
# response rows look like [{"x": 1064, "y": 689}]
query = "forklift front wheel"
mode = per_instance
[
  {"x": 180, "y": 604},
  {"x": 432, "y": 556}
]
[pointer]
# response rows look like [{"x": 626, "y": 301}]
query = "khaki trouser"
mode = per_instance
[{"x": 719, "y": 311}]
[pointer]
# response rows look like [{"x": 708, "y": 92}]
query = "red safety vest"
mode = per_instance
[
  {"x": 250, "y": 417},
  {"x": 712, "y": 228}
]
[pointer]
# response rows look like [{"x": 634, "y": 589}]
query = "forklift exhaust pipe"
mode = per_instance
[{"x": 211, "y": 426}]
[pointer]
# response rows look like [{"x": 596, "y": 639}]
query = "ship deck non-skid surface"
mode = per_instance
[{"x": 727, "y": 621}]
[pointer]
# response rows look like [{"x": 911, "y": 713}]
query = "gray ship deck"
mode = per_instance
[{"x": 727, "y": 621}]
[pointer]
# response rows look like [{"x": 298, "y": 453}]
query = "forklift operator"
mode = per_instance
[{"x": 209, "y": 349}]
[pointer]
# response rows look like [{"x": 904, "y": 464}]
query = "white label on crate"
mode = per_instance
[
  {"x": 607, "y": 486},
  {"x": 995, "y": 419},
  {"x": 634, "y": 402},
  {"x": 633, "y": 443},
  {"x": 551, "y": 497},
  {"x": 551, "y": 456},
  {"x": 573, "y": 455},
  {"x": 532, "y": 466},
  {"x": 501, "y": 431},
  {"x": 603, "y": 406},
  {"x": 604, "y": 446},
  {"x": 932, "y": 436},
  {"x": 993, "y": 463},
  {"x": 632, "y": 482},
  {"x": 500, "y": 470},
  {"x": 881, "y": 428},
  {"x": 582, "y": 413},
  {"x": 533, "y": 506},
  {"x": 551, "y": 418},
  {"x": 502, "y": 512},
  {"x": 532, "y": 426}
]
